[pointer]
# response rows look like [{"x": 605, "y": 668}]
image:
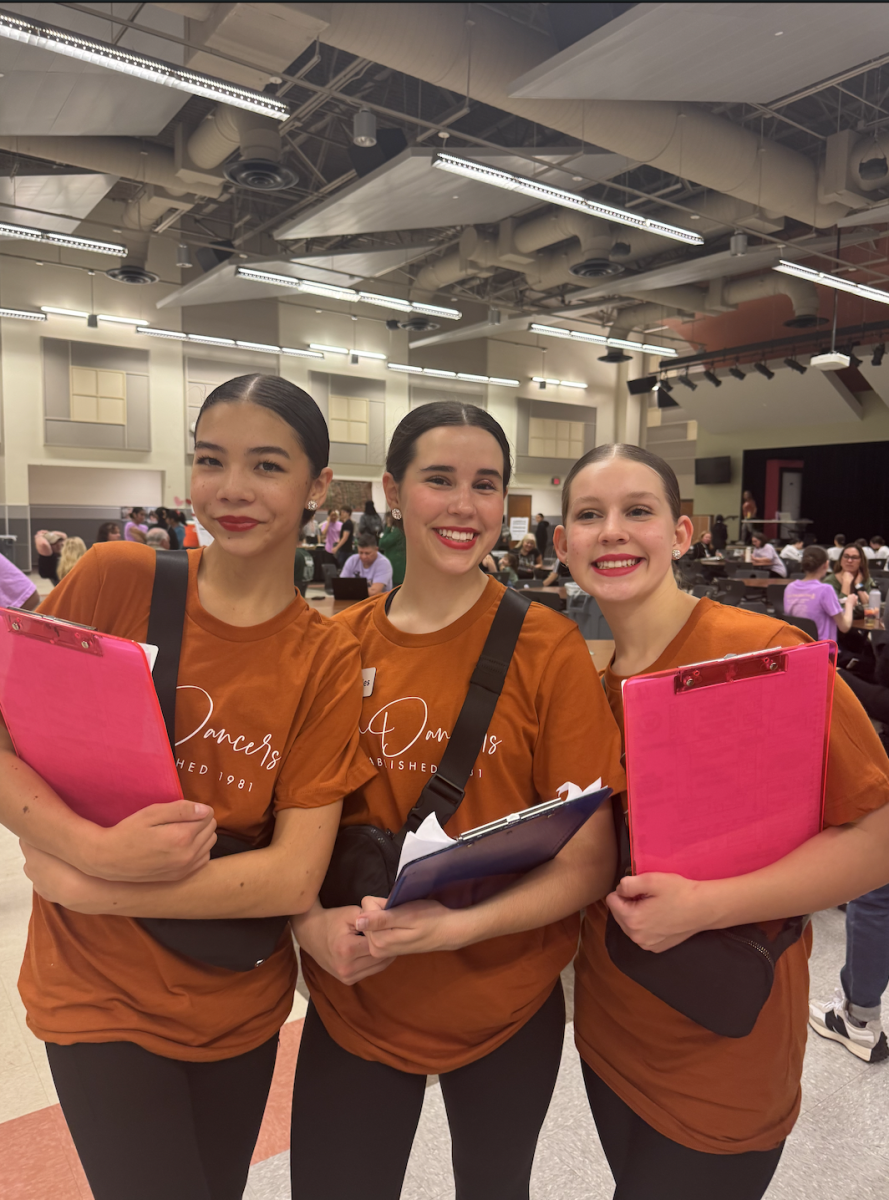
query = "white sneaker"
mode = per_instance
[{"x": 832, "y": 1020}]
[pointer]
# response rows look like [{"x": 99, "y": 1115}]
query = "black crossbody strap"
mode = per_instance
[
  {"x": 165, "y": 623},
  {"x": 443, "y": 793}
]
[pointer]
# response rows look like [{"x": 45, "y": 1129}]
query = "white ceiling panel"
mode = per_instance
[
  {"x": 43, "y": 93},
  {"x": 28, "y": 199},
  {"x": 221, "y": 285},
  {"x": 737, "y": 53},
  {"x": 408, "y": 193},
  {"x": 787, "y": 401},
  {"x": 877, "y": 377}
]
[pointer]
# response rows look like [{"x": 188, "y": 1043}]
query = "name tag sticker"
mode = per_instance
[{"x": 368, "y": 674}]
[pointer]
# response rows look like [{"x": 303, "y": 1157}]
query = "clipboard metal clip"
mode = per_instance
[
  {"x": 56, "y": 633},
  {"x": 750, "y": 666}
]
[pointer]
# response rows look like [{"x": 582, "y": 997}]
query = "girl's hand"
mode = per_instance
[
  {"x": 159, "y": 844},
  {"x": 657, "y": 910},
  {"x": 846, "y": 580},
  {"x": 60, "y": 883},
  {"x": 416, "y": 928},
  {"x": 330, "y": 936}
]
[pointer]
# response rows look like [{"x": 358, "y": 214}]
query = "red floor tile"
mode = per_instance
[
  {"x": 38, "y": 1160},
  {"x": 275, "y": 1133}
]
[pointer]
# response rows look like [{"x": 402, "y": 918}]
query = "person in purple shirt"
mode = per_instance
[
  {"x": 369, "y": 564},
  {"x": 16, "y": 589},
  {"x": 765, "y": 555},
  {"x": 818, "y": 601}
]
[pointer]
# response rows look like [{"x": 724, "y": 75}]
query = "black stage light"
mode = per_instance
[
  {"x": 665, "y": 386},
  {"x": 665, "y": 401},
  {"x": 737, "y": 372},
  {"x": 795, "y": 366},
  {"x": 713, "y": 378},
  {"x": 764, "y": 370},
  {"x": 638, "y": 387},
  {"x": 879, "y": 351},
  {"x": 686, "y": 382}
]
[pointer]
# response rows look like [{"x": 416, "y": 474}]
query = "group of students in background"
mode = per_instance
[{"x": 163, "y": 1063}]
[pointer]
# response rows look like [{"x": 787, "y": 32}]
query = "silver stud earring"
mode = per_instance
[
  {"x": 311, "y": 506},
  {"x": 676, "y": 554},
  {"x": 396, "y": 514}
]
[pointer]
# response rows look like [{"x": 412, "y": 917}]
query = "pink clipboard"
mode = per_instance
[
  {"x": 727, "y": 760},
  {"x": 81, "y": 710}
]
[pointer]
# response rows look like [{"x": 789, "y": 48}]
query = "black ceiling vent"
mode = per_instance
[
  {"x": 418, "y": 324},
  {"x": 260, "y": 174},
  {"x": 596, "y": 268},
  {"x": 805, "y": 321},
  {"x": 615, "y": 356},
  {"x": 132, "y": 273}
]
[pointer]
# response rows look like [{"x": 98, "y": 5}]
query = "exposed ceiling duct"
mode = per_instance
[
  {"x": 432, "y": 42},
  {"x": 257, "y": 138}
]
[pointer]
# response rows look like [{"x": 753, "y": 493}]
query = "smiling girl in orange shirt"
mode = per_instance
[{"x": 682, "y": 1113}]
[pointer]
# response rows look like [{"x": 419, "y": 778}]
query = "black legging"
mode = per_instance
[
  {"x": 354, "y": 1121},
  {"x": 152, "y": 1128},
  {"x": 646, "y": 1165}
]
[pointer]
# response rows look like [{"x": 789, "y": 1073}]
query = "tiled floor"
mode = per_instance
[{"x": 840, "y": 1147}]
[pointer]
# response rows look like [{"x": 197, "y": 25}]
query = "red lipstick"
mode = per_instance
[
  {"x": 237, "y": 524},
  {"x": 631, "y": 561}
]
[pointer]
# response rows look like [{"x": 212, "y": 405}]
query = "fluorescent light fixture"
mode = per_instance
[
  {"x": 571, "y": 383},
  {"x": 22, "y": 314},
  {"x": 472, "y": 378},
  {"x": 143, "y": 66},
  {"x": 328, "y": 349},
  {"x": 408, "y": 370},
  {"x": 334, "y": 292},
  {"x": 598, "y": 339},
  {"x": 439, "y": 374},
  {"x": 543, "y": 379},
  {"x": 834, "y": 281},
  {"x": 163, "y": 333},
  {"x": 504, "y": 382},
  {"x": 542, "y": 191},
  {"x": 464, "y": 375},
  {"x": 300, "y": 353},
  {"x": 368, "y": 354},
  {"x": 205, "y": 340},
  {"x": 28, "y": 234},
  {"x": 122, "y": 320},
  {"x": 63, "y": 312},
  {"x": 262, "y": 347}
]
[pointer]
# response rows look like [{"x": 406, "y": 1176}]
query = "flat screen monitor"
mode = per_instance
[{"x": 713, "y": 470}]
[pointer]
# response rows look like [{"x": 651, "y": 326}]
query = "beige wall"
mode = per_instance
[{"x": 93, "y": 486}]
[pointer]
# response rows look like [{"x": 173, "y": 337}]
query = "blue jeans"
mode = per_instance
[{"x": 865, "y": 975}]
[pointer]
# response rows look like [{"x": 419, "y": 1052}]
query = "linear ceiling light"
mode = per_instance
[
  {"x": 558, "y": 382},
  {"x": 834, "y": 281},
  {"x": 22, "y": 314},
  {"x": 63, "y": 312},
  {"x": 464, "y": 375},
  {"x": 27, "y": 233},
  {"x": 121, "y": 320},
  {"x": 143, "y": 66},
  {"x": 328, "y": 349},
  {"x": 206, "y": 340},
  {"x": 368, "y": 354},
  {"x": 542, "y": 191},
  {"x": 598, "y": 339},
  {"x": 334, "y": 292}
]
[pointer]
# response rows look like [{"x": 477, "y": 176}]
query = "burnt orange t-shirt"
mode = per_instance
[
  {"x": 711, "y": 1093},
  {"x": 429, "y": 1013},
  {"x": 266, "y": 719}
]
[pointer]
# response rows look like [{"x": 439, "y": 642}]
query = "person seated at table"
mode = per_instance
[
  {"x": 369, "y": 564},
  {"x": 765, "y": 555},
  {"x": 811, "y": 597},
  {"x": 109, "y": 532},
  {"x": 704, "y": 548},
  {"x": 839, "y": 544},
  {"x": 158, "y": 538},
  {"x": 851, "y": 575},
  {"x": 489, "y": 565},
  {"x": 793, "y": 551},
  {"x": 880, "y": 551},
  {"x": 509, "y": 566},
  {"x": 528, "y": 556}
]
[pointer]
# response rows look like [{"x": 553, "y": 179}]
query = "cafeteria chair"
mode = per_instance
[
  {"x": 550, "y": 599},
  {"x": 755, "y": 606},
  {"x": 805, "y": 624},
  {"x": 330, "y": 572},
  {"x": 703, "y": 589},
  {"x": 732, "y": 592},
  {"x": 585, "y": 612},
  {"x": 775, "y": 597}
]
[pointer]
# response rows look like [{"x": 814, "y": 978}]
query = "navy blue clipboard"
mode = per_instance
[{"x": 485, "y": 860}]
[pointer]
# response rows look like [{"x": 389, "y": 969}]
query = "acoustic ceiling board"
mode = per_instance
[
  {"x": 222, "y": 285},
  {"x": 789, "y": 401},
  {"x": 734, "y": 53},
  {"x": 877, "y": 377},
  {"x": 43, "y": 93},
  {"x": 28, "y": 199},
  {"x": 409, "y": 193}
]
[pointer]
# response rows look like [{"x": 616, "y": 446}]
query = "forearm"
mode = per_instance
[
  {"x": 31, "y": 810},
  {"x": 835, "y": 866}
]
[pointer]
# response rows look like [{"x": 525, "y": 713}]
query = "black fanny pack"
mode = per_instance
[
  {"x": 235, "y": 943},
  {"x": 719, "y": 978},
  {"x": 365, "y": 859}
]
